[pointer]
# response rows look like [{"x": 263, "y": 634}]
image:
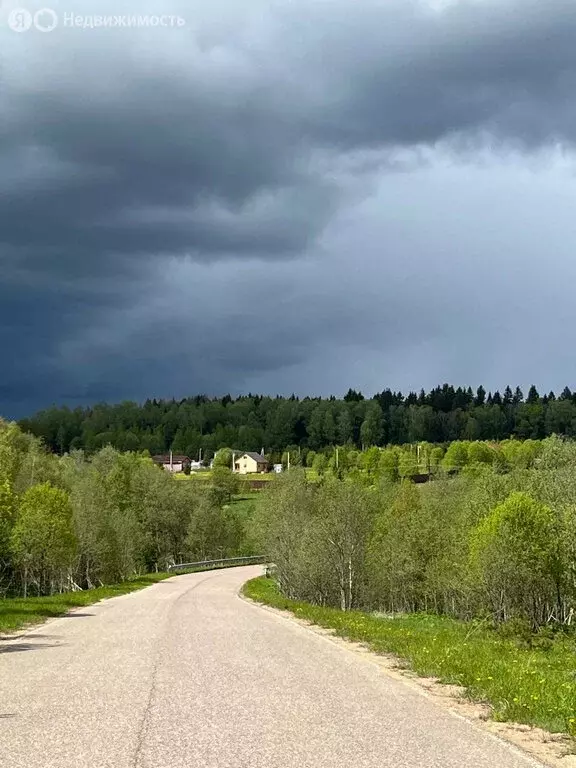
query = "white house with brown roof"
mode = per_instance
[{"x": 250, "y": 463}]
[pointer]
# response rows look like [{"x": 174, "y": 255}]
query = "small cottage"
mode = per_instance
[{"x": 250, "y": 463}]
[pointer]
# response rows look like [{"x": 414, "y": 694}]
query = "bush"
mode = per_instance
[{"x": 514, "y": 556}]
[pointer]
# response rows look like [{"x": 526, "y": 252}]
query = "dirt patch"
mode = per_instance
[{"x": 552, "y": 749}]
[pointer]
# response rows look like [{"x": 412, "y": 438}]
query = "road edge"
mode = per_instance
[{"x": 541, "y": 747}]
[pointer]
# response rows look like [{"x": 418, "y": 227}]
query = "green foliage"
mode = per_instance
[
  {"x": 7, "y": 518},
  {"x": 371, "y": 430},
  {"x": 13, "y": 446},
  {"x": 213, "y": 531},
  {"x": 280, "y": 527},
  {"x": 388, "y": 464},
  {"x": 43, "y": 542},
  {"x": 408, "y": 463},
  {"x": 224, "y": 485},
  {"x": 320, "y": 463},
  {"x": 345, "y": 515},
  {"x": 480, "y": 453},
  {"x": 371, "y": 460},
  {"x": 477, "y": 543},
  {"x": 521, "y": 454},
  {"x": 223, "y": 458},
  {"x": 514, "y": 552},
  {"x": 456, "y": 455},
  {"x": 195, "y": 424},
  {"x": 75, "y": 522},
  {"x": 435, "y": 458},
  {"x": 354, "y": 533},
  {"x": 310, "y": 456}
]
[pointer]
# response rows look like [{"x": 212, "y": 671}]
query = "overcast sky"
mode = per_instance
[{"x": 286, "y": 195}]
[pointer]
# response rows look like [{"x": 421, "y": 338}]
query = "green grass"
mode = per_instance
[
  {"x": 244, "y": 504},
  {"x": 206, "y": 474},
  {"x": 522, "y": 684},
  {"x": 16, "y": 613}
]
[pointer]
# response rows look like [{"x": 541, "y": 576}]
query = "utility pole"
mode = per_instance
[{"x": 288, "y": 460}]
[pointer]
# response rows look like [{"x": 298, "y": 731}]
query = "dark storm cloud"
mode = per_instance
[
  {"x": 158, "y": 134},
  {"x": 240, "y": 138}
]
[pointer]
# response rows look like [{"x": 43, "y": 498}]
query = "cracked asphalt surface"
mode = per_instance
[{"x": 185, "y": 674}]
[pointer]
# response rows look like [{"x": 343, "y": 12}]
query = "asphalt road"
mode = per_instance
[{"x": 185, "y": 674}]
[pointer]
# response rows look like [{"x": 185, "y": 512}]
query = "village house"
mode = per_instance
[
  {"x": 250, "y": 463},
  {"x": 172, "y": 462}
]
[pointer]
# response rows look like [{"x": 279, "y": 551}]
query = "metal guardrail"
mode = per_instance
[{"x": 231, "y": 561}]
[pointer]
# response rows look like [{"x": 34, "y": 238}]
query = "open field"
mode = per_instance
[{"x": 533, "y": 684}]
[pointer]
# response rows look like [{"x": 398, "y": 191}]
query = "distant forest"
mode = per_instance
[{"x": 278, "y": 424}]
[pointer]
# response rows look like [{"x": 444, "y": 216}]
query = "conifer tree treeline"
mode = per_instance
[{"x": 252, "y": 422}]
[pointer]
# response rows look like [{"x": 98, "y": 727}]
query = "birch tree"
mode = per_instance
[{"x": 43, "y": 542}]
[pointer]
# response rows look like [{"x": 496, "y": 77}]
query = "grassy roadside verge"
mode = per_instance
[
  {"x": 535, "y": 686},
  {"x": 16, "y": 613}
]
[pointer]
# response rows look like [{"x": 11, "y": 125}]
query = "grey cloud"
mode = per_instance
[
  {"x": 247, "y": 138},
  {"x": 150, "y": 134}
]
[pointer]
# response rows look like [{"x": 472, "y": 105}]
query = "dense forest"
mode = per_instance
[{"x": 200, "y": 424}]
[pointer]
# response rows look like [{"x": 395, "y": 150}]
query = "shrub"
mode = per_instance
[{"x": 514, "y": 556}]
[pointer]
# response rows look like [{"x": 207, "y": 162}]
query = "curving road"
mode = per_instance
[{"x": 185, "y": 674}]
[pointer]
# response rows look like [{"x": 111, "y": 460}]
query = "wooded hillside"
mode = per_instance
[{"x": 277, "y": 424}]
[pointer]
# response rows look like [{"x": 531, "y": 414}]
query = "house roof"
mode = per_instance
[
  {"x": 258, "y": 458},
  {"x": 176, "y": 459}
]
